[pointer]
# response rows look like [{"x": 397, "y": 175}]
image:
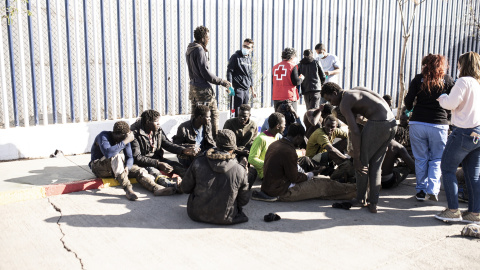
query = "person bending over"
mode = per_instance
[{"x": 369, "y": 145}]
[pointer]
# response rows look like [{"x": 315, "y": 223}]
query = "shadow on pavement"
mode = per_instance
[{"x": 170, "y": 213}]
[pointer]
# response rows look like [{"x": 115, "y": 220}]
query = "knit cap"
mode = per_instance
[{"x": 226, "y": 140}]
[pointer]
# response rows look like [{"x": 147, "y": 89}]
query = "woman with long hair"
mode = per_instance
[
  {"x": 463, "y": 143},
  {"x": 428, "y": 124}
]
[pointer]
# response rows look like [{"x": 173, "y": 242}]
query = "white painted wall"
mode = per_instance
[{"x": 77, "y": 138}]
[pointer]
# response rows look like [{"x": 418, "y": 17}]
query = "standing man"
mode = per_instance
[
  {"x": 285, "y": 78},
  {"x": 314, "y": 78},
  {"x": 239, "y": 73},
  {"x": 370, "y": 145},
  {"x": 198, "y": 62},
  {"x": 329, "y": 62}
]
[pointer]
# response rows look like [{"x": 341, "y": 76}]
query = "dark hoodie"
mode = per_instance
[
  {"x": 199, "y": 67},
  {"x": 314, "y": 75},
  {"x": 239, "y": 71},
  {"x": 218, "y": 188}
]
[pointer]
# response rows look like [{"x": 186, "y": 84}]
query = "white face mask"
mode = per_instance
[
  {"x": 321, "y": 55},
  {"x": 458, "y": 73},
  {"x": 245, "y": 51},
  {"x": 295, "y": 60}
]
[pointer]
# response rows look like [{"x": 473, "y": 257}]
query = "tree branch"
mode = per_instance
[{"x": 402, "y": 15}]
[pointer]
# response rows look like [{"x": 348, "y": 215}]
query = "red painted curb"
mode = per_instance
[{"x": 64, "y": 188}]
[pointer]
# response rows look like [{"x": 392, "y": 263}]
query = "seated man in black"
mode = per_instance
[
  {"x": 217, "y": 184},
  {"x": 148, "y": 149},
  {"x": 112, "y": 157},
  {"x": 244, "y": 128},
  {"x": 196, "y": 133}
]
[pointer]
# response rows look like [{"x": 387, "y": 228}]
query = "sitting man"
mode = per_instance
[
  {"x": 320, "y": 147},
  {"x": 313, "y": 118},
  {"x": 244, "y": 128},
  {"x": 262, "y": 142},
  {"x": 403, "y": 133},
  {"x": 285, "y": 108},
  {"x": 393, "y": 171},
  {"x": 196, "y": 133},
  {"x": 370, "y": 144},
  {"x": 217, "y": 184},
  {"x": 284, "y": 179},
  {"x": 148, "y": 153},
  {"x": 112, "y": 156}
]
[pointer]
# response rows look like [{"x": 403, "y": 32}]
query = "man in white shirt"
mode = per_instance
[{"x": 329, "y": 62}]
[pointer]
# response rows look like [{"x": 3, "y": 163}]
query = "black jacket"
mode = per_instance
[
  {"x": 427, "y": 109},
  {"x": 239, "y": 71},
  {"x": 144, "y": 154},
  {"x": 199, "y": 67},
  {"x": 186, "y": 135},
  {"x": 218, "y": 188},
  {"x": 314, "y": 75}
]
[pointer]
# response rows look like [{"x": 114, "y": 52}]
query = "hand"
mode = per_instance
[
  {"x": 301, "y": 76},
  {"x": 327, "y": 73},
  {"x": 243, "y": 152},
  {"x": 164, "y": 167},
  {"x": 189, "y": 152},
  {"x": 129, "y": 138},
  {"x": 226, "y": 84},
  {"x": 357, "y": 164}
]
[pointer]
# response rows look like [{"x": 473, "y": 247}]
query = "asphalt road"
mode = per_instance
[{"x": 100, "y": 229}]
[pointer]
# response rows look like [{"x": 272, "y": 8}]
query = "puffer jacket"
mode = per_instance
[
  {"x": 218, "y": 188},
  {"x": 314, "y": 75},
  {"x": 144, "y": 154}
]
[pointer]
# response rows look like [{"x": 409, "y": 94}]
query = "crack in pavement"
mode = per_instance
[{"x": 63, "y": 234}]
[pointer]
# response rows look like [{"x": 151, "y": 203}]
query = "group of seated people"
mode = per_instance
[{"x": 293, "y": 160}]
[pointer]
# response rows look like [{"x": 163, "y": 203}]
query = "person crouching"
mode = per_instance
[{"x": 218, "y": 184}]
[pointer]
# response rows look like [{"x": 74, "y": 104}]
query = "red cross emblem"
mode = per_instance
[{"x": 280, "y": 72}]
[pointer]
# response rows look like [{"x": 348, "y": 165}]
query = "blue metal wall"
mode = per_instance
[{"x": 85, "y": 60}]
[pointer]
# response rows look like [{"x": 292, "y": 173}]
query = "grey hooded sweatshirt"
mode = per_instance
[
  {"x": 199, "y": 67},
  {"x": 218, "y": 188}
]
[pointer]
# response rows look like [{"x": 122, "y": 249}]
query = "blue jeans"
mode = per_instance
[
  {"x": 428, "y": 143},
  {"x": 461, "y": 148}
]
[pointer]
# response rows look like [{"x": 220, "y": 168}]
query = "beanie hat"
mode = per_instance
[{"x": 226, "y": 140}]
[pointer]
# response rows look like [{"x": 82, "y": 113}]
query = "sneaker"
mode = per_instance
[
  {"x": 261, "y": 196},
  {"x": 462, "y": 196},
  {"x": 469, "y": 217},
  {"x": 471, "y": 230},
  {"x": 164, "y": 191},
  {"x": 433, "y": 197},
  {"x": 420, "y": 196},
  {"x": 447, "y": 215}
]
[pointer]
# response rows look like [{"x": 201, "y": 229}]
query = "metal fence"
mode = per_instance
[{"x": 74, "y": 61}]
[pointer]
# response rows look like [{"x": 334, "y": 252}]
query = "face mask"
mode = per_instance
[
  {"x": 245, "y": 51},
  {"x": 295, "y": 60},
  {"x": 458, "y": 73},
  {"x": 321, "y": 55}
]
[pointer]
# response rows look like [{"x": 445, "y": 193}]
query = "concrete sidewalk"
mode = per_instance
[{"x": 101, "y": 229}]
